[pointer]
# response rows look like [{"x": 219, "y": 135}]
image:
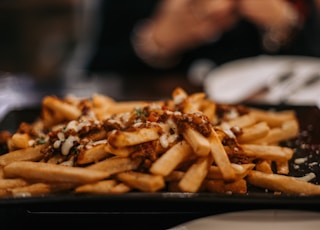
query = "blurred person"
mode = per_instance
[
  {"x": 167, "y": 36},
  {"x": 288, "y": 26}
]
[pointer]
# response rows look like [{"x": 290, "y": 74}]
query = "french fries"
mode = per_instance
[
  {"x": 195, "y": 175},
  {"x": 282, "y": 183},
  {"x": 166, "y": 163},
  {"x": 187, "y": 143},
  {"x": 142, "y": 181},
  {"x": 220, "y": 157},
  {"x": 27, "y": 154},
  {"x": 199, "y": 144},
  {"x": 100, "y": 187},
  {"x": 52, "y": 173},
  {"x": 254, "y": 132},
  {"x": 123, "y": 138},
  {"x": 12, "y": 183}
]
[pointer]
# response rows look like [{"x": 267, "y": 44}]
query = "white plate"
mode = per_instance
[
  {"x": 256, "y": 220},
  {"x": 236, "y": 81}
]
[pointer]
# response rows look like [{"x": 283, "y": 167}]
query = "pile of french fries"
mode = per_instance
[{"x": 187, "y": 143}]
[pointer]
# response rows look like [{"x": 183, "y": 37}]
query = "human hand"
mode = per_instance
[
  {"x": 268, "y": 14},
  {"x": 178, "y": 25},
  {"x": 182, "y": 24},
  {"x": 277, "y": 19}
]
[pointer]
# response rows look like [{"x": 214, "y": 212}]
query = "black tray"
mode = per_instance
[{"x": 163, "y": 210}]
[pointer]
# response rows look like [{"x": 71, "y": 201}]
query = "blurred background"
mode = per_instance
[
  {"x": 38, "y": 37},
  {"x": 84, "y": 46},
  {"x": 43, "y": 49},
  {"x": 46, "y": 46}
]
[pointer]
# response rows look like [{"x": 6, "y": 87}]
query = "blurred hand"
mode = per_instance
[
  {"x": 278, "y": 20},
  {"x": 267, "y": 13},
  {"x": 181, "y": 24}
]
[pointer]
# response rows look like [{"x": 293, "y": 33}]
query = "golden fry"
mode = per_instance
[
  {"x": 282, "y": 167},
  {"x": 194, "y": 176},
  {"x": 127, "y": 106},
  {"x": 220, "y": 157},
  {"x": 1, "y": 173},
  {"x": 37, "y": 189},
  {"x": 28, "y": 154},
  {"x": 52, "y": 173},
  {"x": 197, "y": 141},
  {"x": 287, "y": 130},
  {"x": 273, "y": 118},
  {"x": 121, "y": 152},
  {"x": 125, "y": 138},
  {"x": 68, "y": 111},
  {"x": 242, "y": 121},
  {"x": 20, "y": 140},
  {"x": 208, "y": 108},
  {"x": 240, "y": 171},
  {"x": 103, "y": 187},
  {"x": 142, "y": 181},
  {"x": 166, "y": 163},
  {"x": 192, "y": 104},
  {"x": 100, "y": 187},
  {"x": 254, "y": 132},
  {"x": 268, "y": 152},
  {"x": 115, "y": 165},
  {"x": 11, "y": 183},
  {"x": 93, "y": 154},
  {"x": 120, "y": 188},
  {"x": 282, "y": 183},
  {"x": 264, "y": 166}
]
